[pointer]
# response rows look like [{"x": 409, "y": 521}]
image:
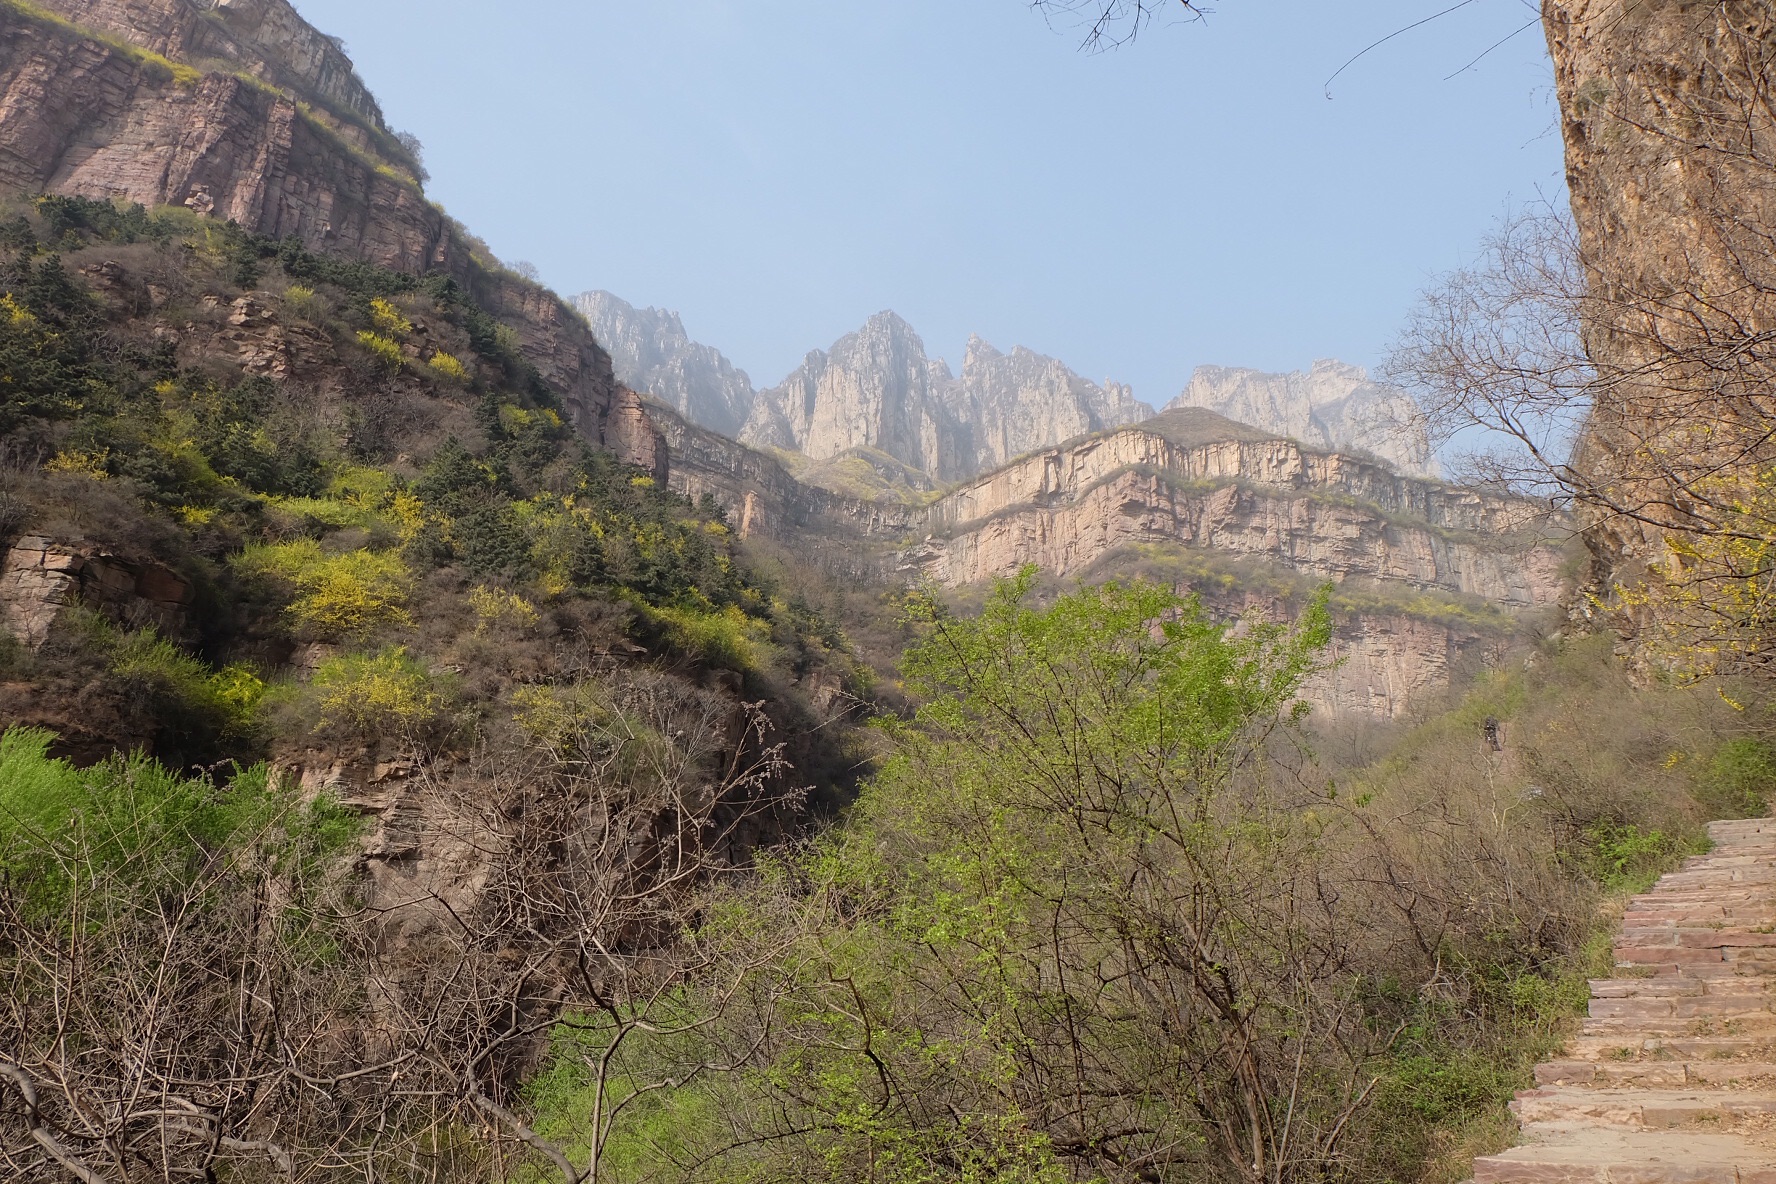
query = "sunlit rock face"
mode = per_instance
[
  {"x": 1333, "y": 405},
  {"x": 876, "y": 391},
  {"x": 653, "y": 354},
  {"x": 1018, "y": 402}
]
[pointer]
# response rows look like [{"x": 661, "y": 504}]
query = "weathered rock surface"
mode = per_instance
[
  {"x": 1324, "y": 514},
  {"x": 874, "y": 391},
  {"x": 652, "y": 353},
  {"x": 878, "y": 397},
  {"x": 40, "y": 577},
  {"x": 1018, "y": 402},
  {"x": 1331, "y": 406},
  {"x": 1442, "y": 569}
]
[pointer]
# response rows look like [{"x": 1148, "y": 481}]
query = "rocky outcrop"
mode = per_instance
[
  {"x": 652, "y": 353},
  {"x": 254, "y": 138},
  {"x": 1324, "y": 514},
  {"x": 874, "y": 391},
  {"x": 1018, "y": 402},
  {"x": 1671, "y": 170},
  {"x": 40, "y": 577},
  {"x": 1331, "y": 406},
  {"x": 877, "y": 396},
  {"x": 267, "y": 37}
]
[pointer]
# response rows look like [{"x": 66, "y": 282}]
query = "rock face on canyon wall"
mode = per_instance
[
  {"x": 241, "y": 111},
  {"x": 1429, "y": 578},
  {"x": 652, "y": 352},
  {"x": 1331, "y": 406},
  {"x": 874, "y": 391},
  {"x": 1326, "y": 515},
  {"x": 1018, "y": 402},
  {"x": 877, "y": 396},
  {"x": 1671, "y": 168}
]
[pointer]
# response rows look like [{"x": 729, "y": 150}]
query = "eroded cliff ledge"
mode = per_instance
[{"x": 1430, "y": 578}]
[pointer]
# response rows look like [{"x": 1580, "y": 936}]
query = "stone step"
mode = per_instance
[
  {"x": 1681, "y": 987},
  {"x": 1703, "y": 937},
  {"x": 1601, "y": 1156},
  {"x": 1619, "y": 1048},
  {"x": 1641, "y": 1109},
  {"x": 1702, "y": 1008},
  {"x": 1657, "y": 1074}
]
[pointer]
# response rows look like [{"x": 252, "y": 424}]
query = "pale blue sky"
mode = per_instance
[{"x": 778, "y": 170}]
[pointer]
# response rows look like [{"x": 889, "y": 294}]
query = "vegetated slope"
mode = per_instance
[{"x": 245, "y": 113}]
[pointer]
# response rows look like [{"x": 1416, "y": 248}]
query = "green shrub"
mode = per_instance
[
  {"x": 302, "y": 302},
  {"x": 724, "y": 637},
  {"x": 132, "y": 822},
  {"x": 1739, "y": 780}
]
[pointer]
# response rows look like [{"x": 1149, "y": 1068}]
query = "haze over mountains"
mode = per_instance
[{"x": 877, "y": 403}]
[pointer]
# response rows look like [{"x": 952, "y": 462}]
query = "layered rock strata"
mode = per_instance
[
  {"x": 41, "y": 577},
  {"x": 1673, "y": 1075},
  {"x": 1432, "y": 577}
]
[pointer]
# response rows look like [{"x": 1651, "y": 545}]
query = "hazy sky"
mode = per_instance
[{"x": 778, "y": 170}]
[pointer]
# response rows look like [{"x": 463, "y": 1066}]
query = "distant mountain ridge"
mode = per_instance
[
  {"x": 876, "y": 415},
  {"x": 652, "y": 352},
  {"x": 875, "y": 397}
]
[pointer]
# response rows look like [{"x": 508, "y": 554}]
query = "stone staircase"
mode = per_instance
[{"x": 1673, "y": 1076}]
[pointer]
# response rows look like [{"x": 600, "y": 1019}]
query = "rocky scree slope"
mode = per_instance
[{"x": 243, "y": 112}]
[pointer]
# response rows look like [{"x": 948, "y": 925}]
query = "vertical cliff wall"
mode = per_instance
[{"x": 1670, "y": 136}]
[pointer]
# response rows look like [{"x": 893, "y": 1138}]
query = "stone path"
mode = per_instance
[{"x": 1673, "y": 1076}]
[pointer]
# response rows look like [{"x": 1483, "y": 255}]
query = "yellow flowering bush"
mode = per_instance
[
  {"x": 383, "y": 349},
  {"x": 377, "y": 694},
  {"x": 337, "y": 595}
]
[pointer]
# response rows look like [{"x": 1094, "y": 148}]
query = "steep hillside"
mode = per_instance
[{"x": 244, "y": 113}]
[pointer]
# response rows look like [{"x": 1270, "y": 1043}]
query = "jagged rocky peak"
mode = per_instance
[
  {"x": 1334, "y": 405},
  {"x": 874, "y": 391},
  {"x": 1022, "y": 401},
  {"x": 652, "y": 353},
  {"x": 877, "y": 393}
]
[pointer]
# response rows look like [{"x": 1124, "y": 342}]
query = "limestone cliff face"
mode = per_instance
[
  {"x": 1431, "y": 577},
  {"x": 260, "y": 121},
  {"x": 267, "y": 37},
  {"x": 652, "y": 353},
  {"x": 1331, "y": 406},
  {"x": 874, "y": 391},
  {"x": 1018, "y": 402},
  {"x": 1324, "y": 515},
  {"x": 877, "y": 394}
]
